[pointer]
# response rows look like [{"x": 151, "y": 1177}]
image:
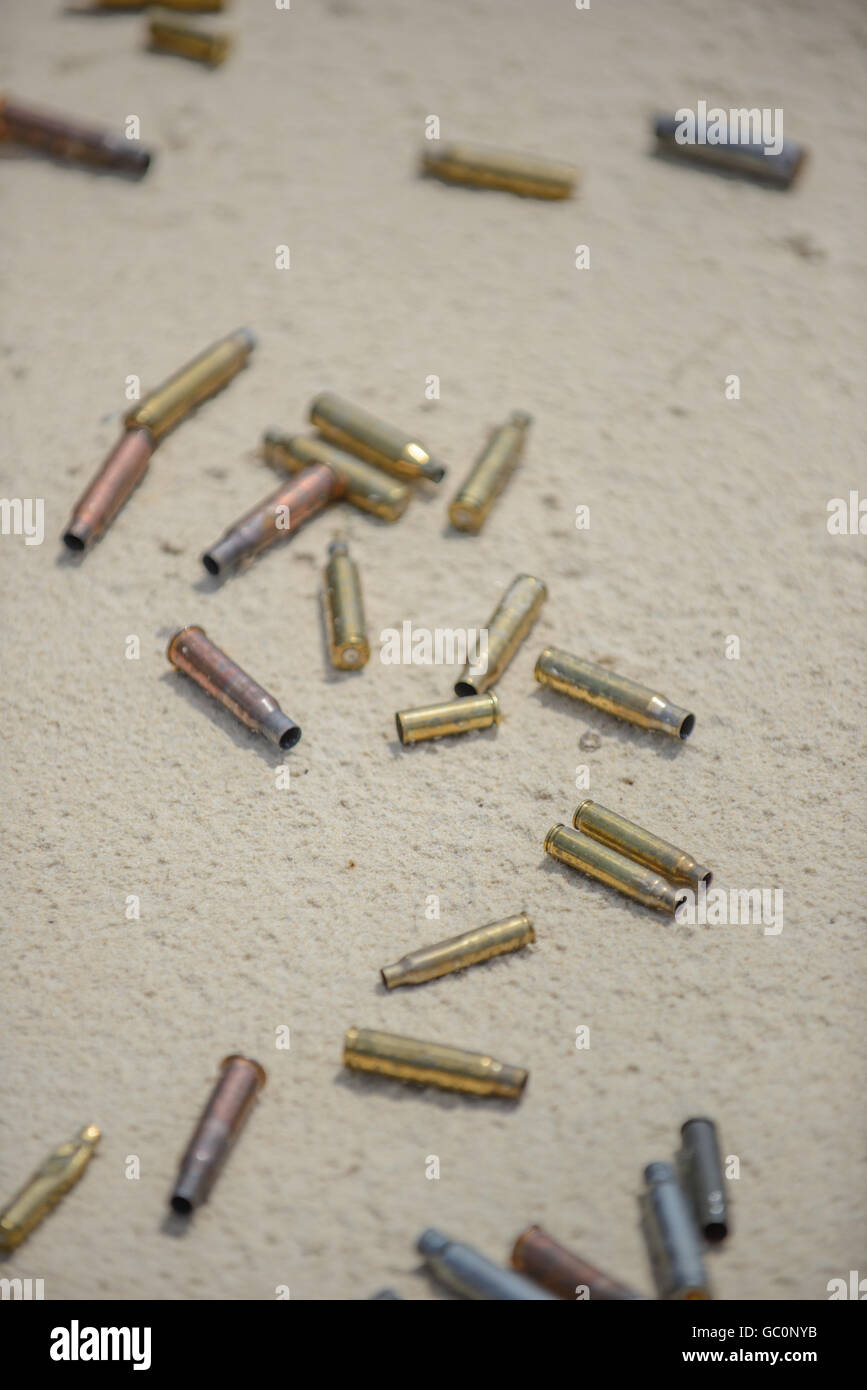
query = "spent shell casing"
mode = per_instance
[
  {"x": 192, "y": 652},
  {"x": 60, "y": 1171},
  {"x": 184, "y": 6},
  {"x": 490, "y": 473},
  {"x": 344, "y": 610},
  {"x": 484, "y": 167},
  {"x": 471, "y": 947},
  {"x": 598, "y": 861},
  {"x": 672, "y": 1237},
  {"x": 471, "y": 1274},
  {"x": 550, "y": 1264},
  {"x": 67, "y": 139},
  {"x": 241, "y": 1080},
  {"x": 278, "y": 518},
  {"x": 184, "y": 42},
  {"x": 506, "y": 629},
  {"x": 617, "y": 695},
  {"x": 118, "y": 477},
  {"x": 366, "y": 487},
  {"x": 751, "y": 158},
  {"x": 386, "y": 1296},
  {"x": 431, "y": 1064},
  {"x": 354, "y": 428},
  {"x": 456, "y": 716},
  {"x": 701, "y": 1174},
  {"x": 207, "y": 374},
  {"x": 630, "y": 839}
]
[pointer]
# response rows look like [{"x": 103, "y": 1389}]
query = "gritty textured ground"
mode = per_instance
[{"x": 265, "y": 906}]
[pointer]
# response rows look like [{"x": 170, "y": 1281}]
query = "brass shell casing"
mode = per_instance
[
  {"x": 60, "y": 1171},
  {"x": 448, "y": 717},
  {"x": 750, "y": 160},
  {"x": 278, "y": 518},
  {"x": 212, "y": 49},
  {"x": 598, "y": 861},
  {"x": 471, "y": 947},
  {"x": 624, "y": 835},
  {"x": 193, "y": 652},
  {"x": 366, "y": 487},
  {"x": 208, "y": 373},
  {"x": 484, "y": 167},
  {"x": 490, "y": 473},
  {"x": 120, "y": 474},
  {"x": 230, "y": 1102},
  {"x": 617, "y": 695},
  {"x": 354, "y": 428},
  {"x": 344, "y": 610},
  {"x": 183, "y": 6},
  {"x": 550, "y": 1264},
  {"x": 515, "y": 614},
  {"x": 431, "y": 1064},
  {"x": 62, "y": 138}
]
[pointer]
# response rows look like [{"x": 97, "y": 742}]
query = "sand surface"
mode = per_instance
[{"x": 264, "y": 906}]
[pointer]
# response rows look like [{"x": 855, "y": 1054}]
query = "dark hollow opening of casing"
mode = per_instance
[
  {"x": 687, "y": 726},
  {"x": 212, "y": 566},
  {"x": 715, "y": 1231},
  {"x": 182, "y": 1205},
  {"x": 290, "y": 738},
  {"x": 73, "y": 541},
  {"x": 463, "y": 688},
  {"x": 706, "y": 879}
]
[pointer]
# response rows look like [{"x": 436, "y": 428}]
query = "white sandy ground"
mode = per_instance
[{"x": 262, "y": 906}]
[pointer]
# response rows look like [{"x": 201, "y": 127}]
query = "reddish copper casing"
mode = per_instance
[{"x": 121, "y": 473}]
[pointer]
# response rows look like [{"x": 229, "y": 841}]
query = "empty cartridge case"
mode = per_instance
[
  {"x": 490, "y": 473},
  {"x": 344, "y": 610},
  {"x": 618, "y": 695},
  {"x": 192, "y": 652},
  {"x": 484, "y": 167},
  {"x": 354, "y": 428},
  {"x": 386, "y": 1296},
  {"x": 448, "y": 717},
  {"x": 700, "y": 1169},
  {"x": 121, "y": 473},
  {"x": 481, "y": 943},
  {"x": 60, "y": 1171},
  {"x": 185, "y": 6},
  {"x": 550, "y": 1264},
  {"x": 208, "y": 373},
  {"x": 62, "y": 138},
  {"x": 183, "y": 42},
  {"x": 276, "y": 519},
  {"x": 750, "y": 158},
  {"x": 241, "y": 1080},
  {"x": 431, "y": 1064},
  {"x": 366, "y": 487},
  {"x": 515, "y": 614},
  {"x": 671, "y": 1236},
  {"x": 624, "y": 835},
  {"x": 598, "y": 861},
  {"x": 469, "y": 1273}
]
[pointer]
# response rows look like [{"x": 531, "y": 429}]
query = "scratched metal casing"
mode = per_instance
[
  {"x": 515, "y": 614},
  {"x": 630, "y": 839},
  {"x": 185, "y": 42},
  {"x": 366, "y": 487},
  {"x": 748, "y": 159},
  {"x": 118, "y": 477},
  {"x": 562, "y": 1273},
  {"x": 61, "y": 137},
  {"x": 431, "y": 1064},
  {"x": 458, "y": 716},
  {"x": 700, "y": 1168},
  {"x": 356, "y": 429},
  {"x": 598, "y": 861},
  {"x": 278, "y": 518},
  {"x": 52, "y": 1179},
  {"x": 485, "y": 167},
  {"x": 241, "y": 1080},
  {"x": 344, "y": 610},
  {"x": 490, "y": 473},
  {"x": 465, "y": 1270},
  {"x": 192, "y": 652},
  {"x": 183, "y": 6},
  {"x": 187, "y": 388},
  {"x": 469, "y": 948},
  {"x": 617, "y": 695},
  {"x": 672, "y": 1237}
]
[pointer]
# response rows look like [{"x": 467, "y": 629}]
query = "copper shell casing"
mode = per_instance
[
  {"x": 187, "y": 388},
  {"x": 99, "y": 504},
  {"x": 192, "y": 652},
  {"x": 66, "y": 139},
  {"x": 485, "y": 167},
  {"x": 278, "y": 518},
  {"x": 550, "y": 1264},
  {"x": 431, "y": 1064},
  {"x": 230, "y": 1102}
]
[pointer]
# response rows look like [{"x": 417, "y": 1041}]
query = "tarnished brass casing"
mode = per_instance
[
  {"x": 230, "y": 1102},
  {"x": 485, "y": 167},
  {"x": 208, "y": 373},
  {"x": 354, "y": 428},
  {"x": 490, "y": 473},
  {"x": 278, "y": 518},
  {"x": 598, "y": 861},
  {"x": 366, "y": 487},
  {"x": 471, "y": 947},
  {"x": 550, "y": 1264},
  {"x": 515, "y": 614},
  {"x": 60, "y": 1171},
  {"x": 192, "y": 652},
  {"x": 617, "y": 695},
  {"x": 431, "y": 1064},
  {"x": 621, "y": 834},
  {"x": 456, "y": 716}
]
